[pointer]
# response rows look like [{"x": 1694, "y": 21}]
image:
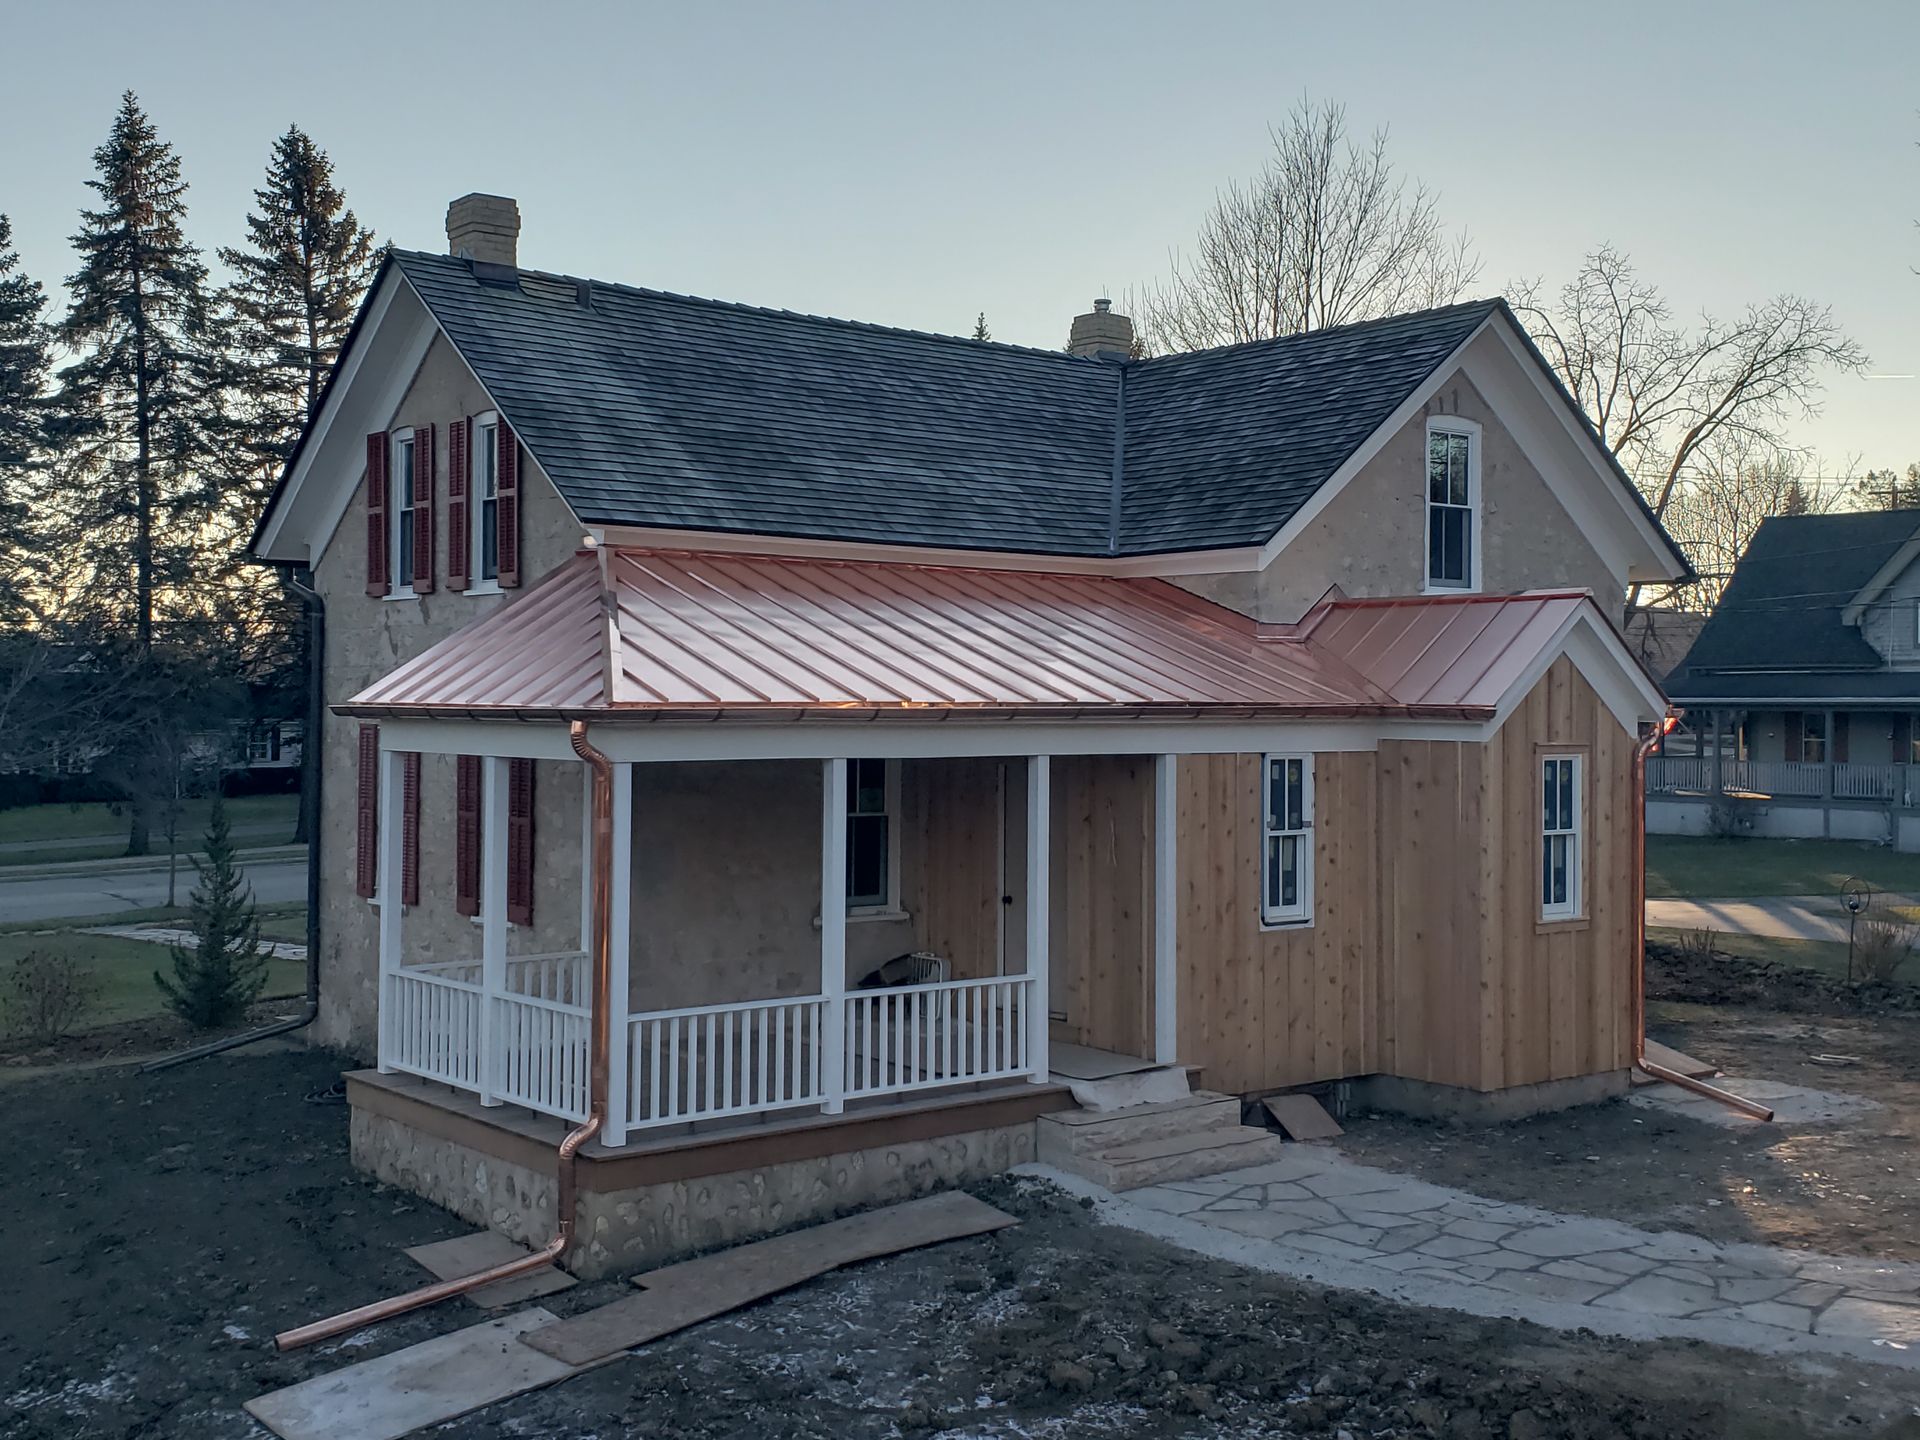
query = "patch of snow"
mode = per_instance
[{"x": 236, "y": 1332}]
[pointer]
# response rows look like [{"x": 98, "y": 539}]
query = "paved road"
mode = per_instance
[
  {"x": 82, "y": 890},
  {"x": 1785, "y": 917},
  {"x": 272, "y": 832}
]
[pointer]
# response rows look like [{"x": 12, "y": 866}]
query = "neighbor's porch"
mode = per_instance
[{"x": 751, "y": 898}]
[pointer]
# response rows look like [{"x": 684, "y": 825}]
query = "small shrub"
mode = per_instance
[
  {"x": 1881, "y": 945},
  {"x": 1729, "y": 818},
  {"x": 45, "y": 995},
  {"x": 215, "y": 980},
  {"x": 1700, "y": 946}
]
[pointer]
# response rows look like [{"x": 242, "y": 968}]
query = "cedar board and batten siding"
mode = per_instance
[{"x": 1426, "y": 957}]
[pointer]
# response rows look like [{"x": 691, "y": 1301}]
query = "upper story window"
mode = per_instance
[
  {"x": 1286, "y": 842},
  {"x": 1453, "y": 505},
  {"x": 400, "y": 490},
  {"x": 486, "y": 500},
  {"x": 870, "y": 870},
  {"x": 1560, "y": 822}
]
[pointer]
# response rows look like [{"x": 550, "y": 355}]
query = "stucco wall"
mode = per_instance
[
  {"x": 1371, "y": 537},
  {"x": 366, "y": 638}
]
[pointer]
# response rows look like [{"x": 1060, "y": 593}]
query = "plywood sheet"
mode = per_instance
[
  {"x": 468, "y": 1254},
  {"x": 1672, "y": 1059},
  {"x": 1302, "y": 1118},
  {"x": 1084, "y": 1062},
  {"x": 425, "y": 1384},
  {"x": 677, "y": 1296}
]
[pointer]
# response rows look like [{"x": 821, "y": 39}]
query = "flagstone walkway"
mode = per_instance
[{"x": 1317, "y": 1215}]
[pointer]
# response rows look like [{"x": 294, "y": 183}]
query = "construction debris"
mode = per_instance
[
  {"x": 1302, "y": 1118},
  {"x": 482, "y": 1250}
]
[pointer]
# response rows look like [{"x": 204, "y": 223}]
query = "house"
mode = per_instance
[
  {"x": 1803, "y": 688},
  {"x": 959, "y": 708}
]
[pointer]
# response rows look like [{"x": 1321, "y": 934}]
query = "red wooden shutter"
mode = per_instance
[
  {"x": 459, "y": 532},
  {"x": 410, "y": 828},
  {"x": 507, "y": 511},
  {"x": 377, "y": 568},
  {"x": 466, "y": 835},
  {"x": 423, "y": 509},
  {"x": 366, "y": 862},
  {"x": 520, "y": 842}
]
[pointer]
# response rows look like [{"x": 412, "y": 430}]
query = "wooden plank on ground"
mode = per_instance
[
  {"x": 482, "y": 1250},
  {"x": 425, "y": 1384},
  {"x": 1302, "y": 1118},
  {"x": 1673, "y": 1059},
  {"x": 677, "y": 1296}
]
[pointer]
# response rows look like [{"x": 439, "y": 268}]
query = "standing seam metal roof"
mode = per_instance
[{"x": 682, "y": 632}]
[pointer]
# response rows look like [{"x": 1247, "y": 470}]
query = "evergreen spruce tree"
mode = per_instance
[
  {"x": 24, "y": 364},
  {"x": 298, "y": 283},
  {"x": 980, "y": 331},
  {"x": 132, "y": 412},
  {"x": 214, "y": 982}
]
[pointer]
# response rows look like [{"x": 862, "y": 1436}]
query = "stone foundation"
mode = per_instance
[
  {"x": 1428, "y": 1101},
  {"x": 648, "y": 1206}
]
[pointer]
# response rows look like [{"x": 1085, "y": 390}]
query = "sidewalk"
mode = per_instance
[{"x": 1783, "y": 917}]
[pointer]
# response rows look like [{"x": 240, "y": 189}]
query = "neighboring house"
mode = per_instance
[
  {"x": 1030, "y": 664},
  {"x": 1802, "y": 691},
  {"x": 1660, "y": 636}
]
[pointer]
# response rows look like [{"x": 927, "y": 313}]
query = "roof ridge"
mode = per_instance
[
  {"x": 770, "y": 311},
  {"x": 1490, "y": 304}
]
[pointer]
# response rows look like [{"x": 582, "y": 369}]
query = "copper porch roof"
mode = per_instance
[{"x": 648, "y": 634}]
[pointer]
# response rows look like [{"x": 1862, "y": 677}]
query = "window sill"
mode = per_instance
[
  {"x": 1305, "y": 923},
  {"x": 397, "y": 593},
  {"x": 872, "y": 913},
  {"x": 1555, "y": 924},
  {"x": 484, "y": 587},
  {"x": 1428, "y": 587}
]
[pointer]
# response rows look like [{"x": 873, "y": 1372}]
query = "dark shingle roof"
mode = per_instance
[
  {"x": 651, "y": 409},
  {"x": 1781, "y": 611}
]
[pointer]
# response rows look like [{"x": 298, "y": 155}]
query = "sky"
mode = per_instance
[{"x": 914, "y": 164}]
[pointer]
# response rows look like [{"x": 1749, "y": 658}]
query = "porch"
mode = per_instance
[{"x": 750, "y": 900}]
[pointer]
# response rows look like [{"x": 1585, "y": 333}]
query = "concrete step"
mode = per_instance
[
  {"x": 1070, "y": 1133},
  {"x": 1179, "y": 1157}
]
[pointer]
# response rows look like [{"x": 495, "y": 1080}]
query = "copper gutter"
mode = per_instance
[
  {"x": 1638, "y": 990},
  {"x": 598, "y": 1051}
]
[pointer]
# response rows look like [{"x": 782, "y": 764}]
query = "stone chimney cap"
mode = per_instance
[{"x": 484, "y": 229}]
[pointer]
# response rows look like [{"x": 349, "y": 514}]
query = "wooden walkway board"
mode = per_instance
[
  {"x": 677, "y": 1296},
  {"x": 1674, "y": 1060},
  {"x": 1302, "y": 1118},
  {"x": 425, "y": 1384},
  {"x": 468, "y": 1254}
]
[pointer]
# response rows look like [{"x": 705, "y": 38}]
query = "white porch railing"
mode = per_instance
[
  {"x": 432, "y": 1023},
  {"x": 1855, "y": 780},
  {"x": 711, "y": 1061},
  {"x": 920, "y": 1036},
  {"x": 1793, "y": 779}
]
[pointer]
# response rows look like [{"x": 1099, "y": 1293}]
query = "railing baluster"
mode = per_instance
[{"x": 726, "y": 1060}]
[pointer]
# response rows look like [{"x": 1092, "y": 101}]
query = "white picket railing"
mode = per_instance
[
  {"x": 432, "y": 1025},
  {"x": 710, "y": 1061},
  {"x": 1794, "y": 779},
  {"x": 1855, "y": 780},
  {"x": 920, "y": 1036},
  {"x": 704, "y": 1062}
]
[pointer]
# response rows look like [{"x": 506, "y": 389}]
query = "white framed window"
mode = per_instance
[
  {"x": 400, "y": 501},
  {"x": 1453, "y": 505},
  {"x": 483, "y": 502},
  {"x": 1286, "y": 839},
  {"x": 873, "y": 795},
  {"x": 1561, "y": 820}
]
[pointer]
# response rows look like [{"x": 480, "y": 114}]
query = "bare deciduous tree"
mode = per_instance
[
  {"x": 1325, "y": 234},
  {"x": 1661, "y": 394},
  {"x": 1735, "y": 481}
]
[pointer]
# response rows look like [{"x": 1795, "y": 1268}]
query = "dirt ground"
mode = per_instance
[
  {"x": 160, "y": 1228},
  {"x": 1846, "y": 1189},
  {"x": 141, "y": 1039}
]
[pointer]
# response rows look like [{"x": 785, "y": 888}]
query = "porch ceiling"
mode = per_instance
[{"x": 647, "y": 634}]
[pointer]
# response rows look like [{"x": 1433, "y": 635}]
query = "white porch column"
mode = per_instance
[
  {"x": 386, "y": 889},
  {"x": 1039, "y": 911},
  {"x": 833, "y": 935},
  {"x": 493, "y": 916},
  {"x": 1166, "y": 899},
  {"x": 619, "y": 945}
]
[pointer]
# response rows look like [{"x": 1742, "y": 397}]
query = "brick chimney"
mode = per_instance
[
  {"x": 484, "y": 228},
  {"x": 1101, "y": 332}
]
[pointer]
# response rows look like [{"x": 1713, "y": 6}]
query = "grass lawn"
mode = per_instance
[
  {"x": 1701, "y": 868},
  {"x": 125, "y": 970},
  {"x": 23, "y": 828}
]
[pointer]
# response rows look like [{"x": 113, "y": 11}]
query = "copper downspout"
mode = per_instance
[
  {"x": 596, "y": 1092},
  {"x": 1639, "y": 987}
]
